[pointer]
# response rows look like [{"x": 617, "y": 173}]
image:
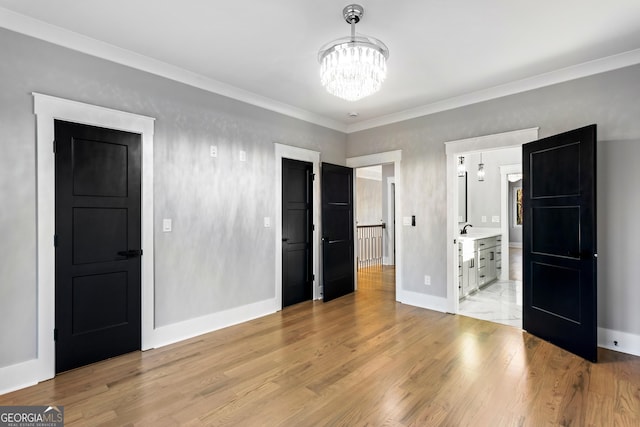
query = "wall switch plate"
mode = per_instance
[
  {"x": 484, "y": 218},
  {"x": 167, "y": 225},
  {"x": 267, "y": 222},
  {"x": 406, "y": 220},
  {"x": 495, "y": 218},
  {"x": 213, "y": 151},
  {"x": 243, "y": 156},
  {"x": 427, "y": 280}
]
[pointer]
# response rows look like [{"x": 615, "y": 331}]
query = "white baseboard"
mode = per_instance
[
  {"x": 20, "y": 375},
  {"x": 619, "y": 341},
  {"x": 417, "y": 299},
  {"x": 175, "y": 332}
]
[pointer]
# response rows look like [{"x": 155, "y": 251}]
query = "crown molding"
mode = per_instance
[
  {"x": 41, "y": 30},
  {"x": 573, "y": 72},
  {"x": 53, "y": 34}
]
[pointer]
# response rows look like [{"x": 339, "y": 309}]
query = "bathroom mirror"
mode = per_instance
[{"x": 462, "y": 198}]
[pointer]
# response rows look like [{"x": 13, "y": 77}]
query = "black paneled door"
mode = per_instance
[
  {"x": 98, "y": 244},
  {"x": 297, "y": 231},
  {"x": 559, "y": 240},
  {"x": 337, "y": 231}
]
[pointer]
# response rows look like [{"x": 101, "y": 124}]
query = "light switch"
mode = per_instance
[
  {"x": 267, "y": 222},
  {"x": 495, "y": 218},
  {"x": 243, "y": 156},
  {"x": 213, "y": 151},
  {"x": 166, "y": 225},
  {"x": 406, "y": 220}
]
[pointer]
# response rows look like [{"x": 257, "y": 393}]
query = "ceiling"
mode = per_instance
[{"x": 443, "y": 53}]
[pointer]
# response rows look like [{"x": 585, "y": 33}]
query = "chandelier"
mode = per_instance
[{"x": 353, "y": 67}]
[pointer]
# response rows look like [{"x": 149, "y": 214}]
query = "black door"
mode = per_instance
[
  {"x": 297, "y": 231},
  {"x": 559, "y": 240},
  {"x": 337, "y": 231},
  {"x": 98, "y": 252}
]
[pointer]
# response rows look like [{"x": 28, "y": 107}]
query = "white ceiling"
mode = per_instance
[{"x": 443, "y": 53}]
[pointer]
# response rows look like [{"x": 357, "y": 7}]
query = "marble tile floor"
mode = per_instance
[{"x": 499, "y": 302}]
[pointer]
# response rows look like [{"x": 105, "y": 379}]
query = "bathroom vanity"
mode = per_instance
[{"x": 479, "y": 261}]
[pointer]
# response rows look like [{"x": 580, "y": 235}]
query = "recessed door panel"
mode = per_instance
[
  {"x": 99, "y": 302},
  {"x": 556, "y": 230},
  {"x": 99, "y": 234},
  {"x": 559, "y": 174},
  {"x": 99, "y": 168},
  {"x": 557, "y": 291}
]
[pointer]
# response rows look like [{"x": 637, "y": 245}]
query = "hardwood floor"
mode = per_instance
[{"x": 362, "y": 359}]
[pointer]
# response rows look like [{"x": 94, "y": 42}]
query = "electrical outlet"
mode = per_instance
[
  {"x": 427, "y": 280},
  {"x": 213, "y": 151},
  {"x": 406, "y": 220},
  {"x": 267, "y": 221},
  {"x": 166, "y": 225},
  {"x": 243, "y": 156}
]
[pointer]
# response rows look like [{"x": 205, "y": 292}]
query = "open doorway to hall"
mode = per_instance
[{"x": 375, "y": 228}]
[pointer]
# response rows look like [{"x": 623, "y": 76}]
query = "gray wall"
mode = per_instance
[
  {"x": 219, "y": 255},
  {"x": 483, "y": 197},
  {"x": 610, "y": 100},
  {"x": 368, "y": 201}
]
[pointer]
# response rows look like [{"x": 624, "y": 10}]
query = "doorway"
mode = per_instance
[
  {"x": 47, "y": 108},
  {"x": 387, "y": 158},
  {"x": 491, "y": 220},
  {"x": 375, "y": 220}
]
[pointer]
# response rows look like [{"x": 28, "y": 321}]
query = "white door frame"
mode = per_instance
[
  {"x": 295, "y": 153},
  {"x": 394, "y": 157},
  {"x": 47, "y": 109},
  {"x": 453, "y": 150}
]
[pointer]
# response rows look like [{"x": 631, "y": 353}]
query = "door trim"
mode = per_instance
[
  {"x": 295, "y": 153},
  {"x": 47, "y": 108},
  {"x": 394, "y": 157},
  {"x": 453, "y": 150}
]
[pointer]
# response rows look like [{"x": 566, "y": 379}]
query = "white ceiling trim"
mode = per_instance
[
  {"x": 57, "y": 35},
  {"x": 41, "y": 30},
  {"x": 585, "y": 69}
]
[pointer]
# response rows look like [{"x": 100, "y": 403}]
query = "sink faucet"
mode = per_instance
[{"x": 464, "y": 229}]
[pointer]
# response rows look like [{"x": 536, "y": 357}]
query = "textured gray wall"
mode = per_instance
[
  {"x": 609, "y": 99},
  {"x": 368, "y": 201},
  {"x": 219, "y": 255},
  {"x": 483, "y": 197}
]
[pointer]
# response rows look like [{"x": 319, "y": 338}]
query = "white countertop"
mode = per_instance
[{"x": 471, "y": 235}]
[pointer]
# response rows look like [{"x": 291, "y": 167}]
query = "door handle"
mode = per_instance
[
  {"x": 131, "y": 253},
  {"x": 285, "y": 239}
]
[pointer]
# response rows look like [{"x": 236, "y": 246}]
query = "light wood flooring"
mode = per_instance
[{"x": 362, "y": 359}]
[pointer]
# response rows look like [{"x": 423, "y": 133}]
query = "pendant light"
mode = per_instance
[
  {"x": 353, "y": 67},
  {"x": 461, "y": 167}
]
